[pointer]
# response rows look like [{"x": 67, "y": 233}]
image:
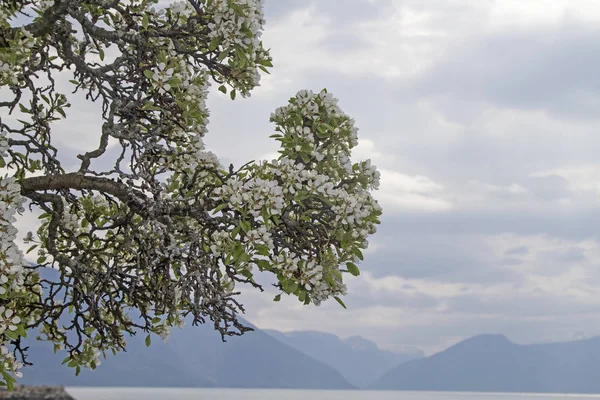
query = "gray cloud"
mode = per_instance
[
  {"x": 439, "y": 258},
  {"x": 573, "y": 224},
  {"x": 550, "y": 68},
  {"x": 517, "y": 251},
  {"x": 352, "y": 11},
  {"x": 496, "y": 108}
]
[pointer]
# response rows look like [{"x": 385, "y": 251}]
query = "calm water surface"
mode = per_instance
[{"x": 252, "y": 394}]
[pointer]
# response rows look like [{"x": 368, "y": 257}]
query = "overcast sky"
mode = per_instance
[{"x": 482, "y": 116}]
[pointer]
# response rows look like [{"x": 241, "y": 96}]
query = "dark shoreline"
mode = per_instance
[{"x": 36, "y": 393}]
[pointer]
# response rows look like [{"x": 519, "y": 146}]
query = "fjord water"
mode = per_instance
[{"x": 273, "y": 394}]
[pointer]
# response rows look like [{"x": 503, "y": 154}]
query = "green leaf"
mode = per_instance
[
  {"x": 145, "y": 21},
  {"x": 245, "y": 226},
  {"x": 219, "y": 207},
  {"x": 22, "y": 332},
  {"x": 277, "y": 298},
  {"x": 265, "y": 214},
  {"x": 237, "y": 251},
  {"x": 358, "y": 253},
  {"x": 147, "y": 106},
  {"x": 247, "y": 274},
  {"x": 300, "y": 195},
  {"x": 262, "y": 250},
  {"x": 77, "y": 370},
  {"x": 339, "y": 301},
  {"x": 223, "y": 89},
  {"x": 222, "y": 55},
  {"x": 214, "y": 43},
  {"x": 41, "y": 259},
  {"x": 72, "y": 364},
  {"x": 353, "y": 269},
  {"x": 149, "y": 74},
  {"x": 2, "y": 162},
  {"x": 293, "y": 287},
  {"x": 263, "y": 264},
  {"x": 148, "y": 341},
  {"x": 289, "y": 286},
  {"x": 101, "y": 54},
  {"x": 232, "y": 94},
  {"x": 10, "y": 381}
]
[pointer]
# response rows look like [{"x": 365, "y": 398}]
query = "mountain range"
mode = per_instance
[
  {"x": 193, "y": 356},
  {"x": 492, "y": 363},
  {"x": 360, "y": 361},
  {"x": 196, "y": 357}
]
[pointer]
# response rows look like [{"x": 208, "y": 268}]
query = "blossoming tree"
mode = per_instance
[{"x": 165, "y": 232}]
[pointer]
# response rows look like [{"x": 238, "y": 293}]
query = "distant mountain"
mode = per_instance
[
  {"x": 492, "y": 363},
  {"x": 193, "y": 357},
  {"x": 359, "y": 360}
]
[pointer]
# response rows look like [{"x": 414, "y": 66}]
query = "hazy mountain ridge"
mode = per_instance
[
  {"x": 196, "y": 357},
  {"x": 360, "y": 361},
  {"x": 192, "y": 357},
  {"x": 492, "y": 363}
]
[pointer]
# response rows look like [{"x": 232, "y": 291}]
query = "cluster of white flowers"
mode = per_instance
[
  {"x": 3, "y": 144},
  {"x": 8, "y": 320},
  {"x": 161, "y": 77},
  {"x": 221, "y": 242},
  {"x": 310, "y": 275},
  {"x": 252, "y": 196},
  {"x": 9, "y": 362},
  {"x": 11, "y": 265},
  {"x": 9, "y": 70},
  {"x": 370, "y": 172},
  {"x": 239, "y": 24},
  {"x": 44, "y": 4},
  {"x": 260, "y": 236},
  {"x": 90, "y": 354},
  {"x": 181, "y": 8},
  {"x": 320, "y": 108},
  {"x": 269, "y": 186},
  {"x": 243, "y": 30},
  {"x": 7, "y": 74},
  {"x": 70, "y": 221},
  {"x": 164, "y": 331}
]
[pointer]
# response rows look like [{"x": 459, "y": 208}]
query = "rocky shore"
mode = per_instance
[{"x": 36, "y": 393}]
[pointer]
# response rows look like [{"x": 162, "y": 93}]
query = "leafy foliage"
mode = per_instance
[{"x": 166, "y": 231}]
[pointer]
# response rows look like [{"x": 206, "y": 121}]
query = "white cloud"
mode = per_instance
[
  {"x": 510, "y": 13},
  {"x": 407, "y": 192},
  {"x": 582, "y": 178}
]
